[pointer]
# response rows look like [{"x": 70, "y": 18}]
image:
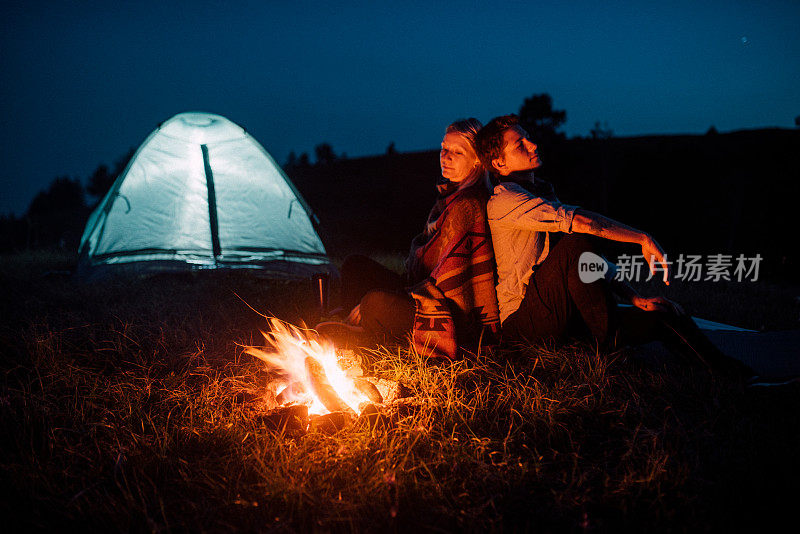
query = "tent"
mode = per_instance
[{"x": 201, "y": 193}]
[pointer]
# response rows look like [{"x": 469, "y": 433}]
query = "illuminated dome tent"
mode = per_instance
[{"x": 201, "y": 193}]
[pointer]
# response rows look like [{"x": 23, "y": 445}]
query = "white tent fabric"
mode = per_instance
[{"x": 199, "y": 193}]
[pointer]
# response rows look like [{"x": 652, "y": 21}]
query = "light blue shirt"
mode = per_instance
[{"x": 520, "y": 223}]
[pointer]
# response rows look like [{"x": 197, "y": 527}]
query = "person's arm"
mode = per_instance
[
  {"x": 511, "y": 206},
  {"x": 588, "y": 222}
]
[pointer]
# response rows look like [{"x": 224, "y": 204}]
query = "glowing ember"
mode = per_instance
[{"x": 308, "y": 371}]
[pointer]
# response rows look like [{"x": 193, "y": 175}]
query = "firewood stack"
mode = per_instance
[{"x": 388, "y": 399}]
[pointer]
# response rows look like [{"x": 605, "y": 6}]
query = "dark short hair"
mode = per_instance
[{"x": 489, "y": 142}]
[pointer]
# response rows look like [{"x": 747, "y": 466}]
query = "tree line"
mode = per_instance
[{"x": 57, "y": 214}]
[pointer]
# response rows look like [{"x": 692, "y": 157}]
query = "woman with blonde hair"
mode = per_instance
[{"x": 446, "y": 296}]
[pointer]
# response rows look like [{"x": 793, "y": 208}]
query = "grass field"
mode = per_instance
[{"x": 131, "y": 406}]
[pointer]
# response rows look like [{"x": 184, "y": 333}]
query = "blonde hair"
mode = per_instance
[{"x": 469, "y": 128}]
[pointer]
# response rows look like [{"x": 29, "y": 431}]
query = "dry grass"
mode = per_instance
[{"x": 132, "y": 407}]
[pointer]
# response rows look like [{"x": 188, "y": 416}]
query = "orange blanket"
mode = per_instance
[{"x": 452, "y": 269}]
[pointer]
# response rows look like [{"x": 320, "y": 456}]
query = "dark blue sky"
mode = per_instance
[{"x": 83, "y": 81}]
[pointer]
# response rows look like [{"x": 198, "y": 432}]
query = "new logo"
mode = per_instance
[{"x": 591, "y": 267}]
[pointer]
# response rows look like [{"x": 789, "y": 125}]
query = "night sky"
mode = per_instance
[{"x": 82, "y": 82}]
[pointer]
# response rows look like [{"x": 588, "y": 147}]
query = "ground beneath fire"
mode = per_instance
[{"x": 129, "y": 407}]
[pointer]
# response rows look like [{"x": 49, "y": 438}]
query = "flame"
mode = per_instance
[{"x": 296, "y": 357}]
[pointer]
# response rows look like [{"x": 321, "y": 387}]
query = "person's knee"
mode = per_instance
[
  {"x": 387, "y": 312},
  {"x": 374, "y": 300},
  {"x": 577, "y": 243},
  {"x": 570, "y": 247},
  {"x": 354, "y": 264},
  {"x": 382, "y": 304}
]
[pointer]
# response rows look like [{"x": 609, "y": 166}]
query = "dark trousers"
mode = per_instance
[
  {"x": 386, "y": 309},
  {"x": 558, "y": 305}
]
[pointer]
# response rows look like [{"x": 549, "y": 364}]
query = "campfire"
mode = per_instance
[{"x": 313, "y": 381}]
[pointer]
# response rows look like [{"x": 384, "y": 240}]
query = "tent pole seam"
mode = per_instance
[{"x": 212, "y": 204}]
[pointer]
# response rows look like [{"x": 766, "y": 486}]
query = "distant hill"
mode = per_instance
[
  {"x": 702, "y": 194},
  {"x": 375, "y": 203}
]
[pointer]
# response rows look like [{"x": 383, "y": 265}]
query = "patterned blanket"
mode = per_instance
[{"x": 452, "y": 271}]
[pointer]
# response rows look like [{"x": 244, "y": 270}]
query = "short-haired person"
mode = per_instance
[{"x": 538, "y": 242}]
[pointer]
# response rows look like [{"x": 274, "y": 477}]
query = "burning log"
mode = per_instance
[
  {"x": 350, "y": 362},
  {"x": 322, "y": 388},
  {"x": 368, "y": 389},
  {"x": 331, "y": 423},
  {"x": 372, "y": 417},
  {"x": 288, "y": 418},
  {"x": 317, "y": 375},
  {"x": 292, "y": 392},
  {"x": 390, "y": 390}
]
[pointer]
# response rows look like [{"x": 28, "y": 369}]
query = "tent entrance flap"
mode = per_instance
[{"x": 212, "y": 204}]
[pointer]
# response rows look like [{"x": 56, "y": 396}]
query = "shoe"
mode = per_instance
[
  {"x": 767, "y": 381},
  {"x": 342, "y": 335},
  {"x": 335, "y": 314}
]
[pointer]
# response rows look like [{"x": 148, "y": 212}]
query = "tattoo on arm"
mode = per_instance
[{"x": 599, "y": 224}]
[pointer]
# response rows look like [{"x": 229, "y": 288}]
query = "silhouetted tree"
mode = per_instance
[
  {"x": 102, "y": 178},
  {"x": 291, "y": 161},
  {"x": 303, "y": 160},
  {"x": 324, "y": 153},
  {"x": 13, "y": 233},
  {"x": 540, "y": 120},
  {"x": 797, "y": 121},
  {"x": 100, "y": 181},
  {"x": 64, "y": 194},
  {"x": 712, "y": 130},
  {"x": 601, "y": 131},
  {"x": 56, "y": 216},
  {"x": 391, "y": 150}
]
